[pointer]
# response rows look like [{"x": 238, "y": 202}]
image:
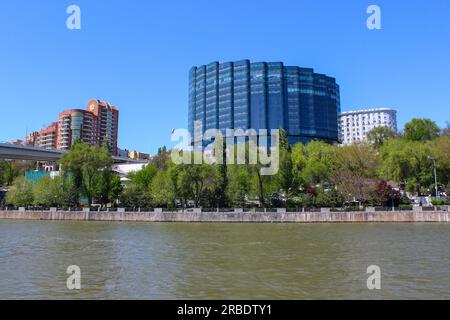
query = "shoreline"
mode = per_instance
[{"x": 234, "y": 217}]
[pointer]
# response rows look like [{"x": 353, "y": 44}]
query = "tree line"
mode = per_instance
[
  {"x": 313, "y": 175},
  {"x": 86, "y": 174}
]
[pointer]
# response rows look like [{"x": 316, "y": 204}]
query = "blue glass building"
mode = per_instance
[{"x": 264, "y": 95}]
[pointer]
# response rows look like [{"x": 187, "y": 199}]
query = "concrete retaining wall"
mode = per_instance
[{"x": 268, "y": 217}]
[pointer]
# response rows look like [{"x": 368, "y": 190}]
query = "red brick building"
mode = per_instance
[
  {"x": 46, "y": 138},
  {"x": 106, "y": 117},
  {"x": 95, "y": 125}
]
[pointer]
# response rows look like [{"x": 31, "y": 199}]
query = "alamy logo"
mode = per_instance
[
  {"x": 374, "y": 20},
  {"x": 74, "y": 280},
  {"x": 261, "y": 149},
  {"x": 374, "y": 280},
  {"x": 73, "y": 22}
]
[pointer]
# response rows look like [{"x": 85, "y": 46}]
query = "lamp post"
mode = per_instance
[{"x": 435, "y": 177}]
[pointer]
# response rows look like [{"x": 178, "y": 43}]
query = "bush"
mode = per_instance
[
  {"x": 276, "y": 200},
  {"x": 20, "y": 194},
  {"x": 329, "y": 199},
  {"x": 438, "y": 202},
  {"x": 317, "y": 199},
  {"x": 304, "y": 200}
]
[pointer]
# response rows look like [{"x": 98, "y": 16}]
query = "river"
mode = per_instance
[{"x": 223, "y": 261}]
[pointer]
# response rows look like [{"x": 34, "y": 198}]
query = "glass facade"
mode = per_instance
[
  {"x": 212, "y": 97},
  {"x": 264, "y": 95},
  {"x": 76, "y": 126}
]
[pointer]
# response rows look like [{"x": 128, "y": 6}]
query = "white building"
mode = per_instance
[
  {"x": 354, "y": 125},
  {"x": 124, "y": 169}
]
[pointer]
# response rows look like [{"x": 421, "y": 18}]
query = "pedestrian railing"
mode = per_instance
[{"x": 232, "y": 210}]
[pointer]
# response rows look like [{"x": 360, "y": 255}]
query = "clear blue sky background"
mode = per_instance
[{"x": 136, "y": 54}]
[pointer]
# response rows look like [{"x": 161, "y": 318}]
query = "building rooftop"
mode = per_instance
[{"x": 367, "y": 111}]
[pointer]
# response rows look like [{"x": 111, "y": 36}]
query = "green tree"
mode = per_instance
[
  {"x": 102, "y": 186},
  {"x": 377, "y": 136},
  {"x": 240, "y": 186},
  {"x": 440, "y": 150},
  {"x": 172, "y": 176},
  {"x": 2, "y": 170},
  {"x": 220, "y": 190},
  {"x": 313, "y": 163},
  {"x": 298, "y": 163},
  {"x": 329, "y": 199},
  {"x": 303, "y": 200},
  {"x": 162, "y": 191},
  {"x": 138, "y": 190},
  {"x": 97, "y": 161},
  {"x": 115, "y": 188},
  {"x": 143, "y": 178},
  {"x": 285, "y": 173},
  {"x": 20, "y": 194},
  {"x": 183, "y": 184},
  {"x": 196, "y": 180},
  {"x": 260, "y": 181},
  {"x": 245, "y": 180},
  {"x": 216, "y": 193},
  {"x": 70, "y": 196},
  {"x": 160, "y": 161},
  {"x": 107, "y": 187},
  {"x": 134, "y": 196},
  {"x": 86, "y": 164},
  {"x": 356, "y": 168},
  {"x": 407, "y": 162},
  {"x": 48, "y": 192},
  {"x": 265, "y": 185},
  {"x": 421, "y": 130},
  {"x": 9, "y": 170}
]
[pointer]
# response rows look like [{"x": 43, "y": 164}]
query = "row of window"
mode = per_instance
[{"x": 262, "y": 96}]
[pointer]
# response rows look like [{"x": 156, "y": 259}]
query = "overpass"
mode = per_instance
[{"x": 18, "y": 152}]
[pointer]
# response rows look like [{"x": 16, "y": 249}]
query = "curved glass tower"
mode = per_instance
[{"x": 264, "y": 95}]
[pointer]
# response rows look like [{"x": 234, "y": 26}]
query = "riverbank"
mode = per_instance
[{"x": 233, "y": 217}]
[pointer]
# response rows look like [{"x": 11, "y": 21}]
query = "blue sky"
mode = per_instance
[{"x": 136, "y": 55}]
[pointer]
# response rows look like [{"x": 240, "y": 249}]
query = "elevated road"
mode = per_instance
[{"x": 18, "y": 152}]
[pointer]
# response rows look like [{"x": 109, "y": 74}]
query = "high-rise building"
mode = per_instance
[
  {"x": 46, "y": 138},
  {"x": 74, "y": 125},
  {"x": 106, "y": 122},
  {"x": 354, "y": 125},
  {"x": 264, "y": 95},
  {"x": 96, "y": 125}
]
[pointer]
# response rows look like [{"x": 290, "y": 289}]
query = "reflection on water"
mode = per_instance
[{"x": 216, "y": 261}]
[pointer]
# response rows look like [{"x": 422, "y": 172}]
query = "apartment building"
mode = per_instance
[
  {"x": 46, "y": 138},
  {"x": 74, "y": 125},
  {"x": 355, "y": 125},
  {"x": 106, "y": 123},
  {"x": 95, "y": 125}
]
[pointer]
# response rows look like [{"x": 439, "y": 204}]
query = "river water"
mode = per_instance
[{"x": 223, "y": 261}]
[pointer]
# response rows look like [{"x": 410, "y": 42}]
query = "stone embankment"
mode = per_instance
[{"x": 238, "y": 216}]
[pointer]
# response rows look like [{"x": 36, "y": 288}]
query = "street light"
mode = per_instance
[{"x": 435, "y": 176}]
